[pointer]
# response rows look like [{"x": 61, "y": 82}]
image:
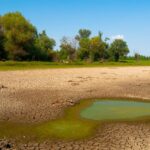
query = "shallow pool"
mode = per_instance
[
  {"x": 79, "y": 121},
  {"x": 116, "y": 110}
]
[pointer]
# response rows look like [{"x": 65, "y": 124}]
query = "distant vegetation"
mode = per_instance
[
  {"x": 20, "y": 41},
  {"x": 17, "y": 65}
]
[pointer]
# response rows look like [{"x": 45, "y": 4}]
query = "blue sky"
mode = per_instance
[{"x": 126, "y": 18}]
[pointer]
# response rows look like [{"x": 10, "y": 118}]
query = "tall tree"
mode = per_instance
[
  {"x": 118, "y": 48},
  {"x": 46, "y": 42},
  {"x": 45, "y": 46},
  {"x": 2, "y": 51},
  {"x": 92, "y": 49},
  {"x": 83, "y": 34},
  {"x": 97, "y": 48},
  {"x": 20, "y": 35},
  {"x": 84, "y": 49},
  {"x": 68, "y": 49},
  {"x": 83, "y": 39}
]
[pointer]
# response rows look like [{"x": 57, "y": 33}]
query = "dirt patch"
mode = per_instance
[{"x": 41, "y": 95}]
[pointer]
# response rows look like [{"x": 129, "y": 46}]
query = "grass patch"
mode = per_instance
[{"x": 13, "y": 65}]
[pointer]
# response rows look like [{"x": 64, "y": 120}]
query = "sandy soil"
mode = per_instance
[{"x": 40, "y": 95}]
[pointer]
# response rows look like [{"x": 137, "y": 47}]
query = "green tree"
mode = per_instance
[
  {"x": 97, "y": 48},
  {"x": 45, "y": 46},
  {"x": 84, "y": 49},
  {"x": 68, "y": 49},
  {"x": 118, "y": 48},
  {"x": 92, "y": 49},
  {"x": 45, "y": 42},
  {"x": 19, "y": 36},
  {"x": 2, "y": 51},
  {"x": 83, "y": 34},
  {"x": 83, "y": 39},
  {"x": 137, "y": 56}
]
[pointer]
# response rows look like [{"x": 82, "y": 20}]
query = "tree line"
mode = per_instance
[{"x": 20, "y": 40}]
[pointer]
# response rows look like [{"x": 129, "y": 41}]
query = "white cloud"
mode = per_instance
[{"x": 117, "y": 37}]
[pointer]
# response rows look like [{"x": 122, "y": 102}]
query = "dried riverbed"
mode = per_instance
[{"x": 41, "y": 95}]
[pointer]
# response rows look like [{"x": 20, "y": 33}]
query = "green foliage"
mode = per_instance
[
  {"x": 84, "y": 49},
  {"x": 2, "y": 51},
  {"x": 83, "y": 34},
  {"x": 45, "y": 46},
  {"x": 19, "y": 34},
  {"x": 83, "y": 38},
  {"x": 45, "y": 42},
  {"x": 93, "y": 49},
  {"x": 137, "y": 56},
  {"x": 19, "y": 40},
  {"x": 118, "y": 48},
  {"x": 98, "y": 47},
  {"x": 67, "y": 49}
]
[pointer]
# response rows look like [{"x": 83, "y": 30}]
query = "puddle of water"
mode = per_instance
[
  {"x": 116, "y": 110},
  {"x": 70, "y": 127},
  {"x": 79, "y": 121}
]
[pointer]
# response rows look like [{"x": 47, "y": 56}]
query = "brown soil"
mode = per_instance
[{"x": 40, "y": 95}]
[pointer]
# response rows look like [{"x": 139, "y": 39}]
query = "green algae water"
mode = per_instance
[
  {"x": 116, "y": 110},
  {"x": 79, "y": 121}
]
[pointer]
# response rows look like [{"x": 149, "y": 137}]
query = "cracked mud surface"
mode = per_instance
[{"x": 41, "y": 95}]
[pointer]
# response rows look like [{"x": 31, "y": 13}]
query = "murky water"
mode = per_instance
[
  {"x": 116, "y": 110},
  {"x": 79, "y": 121}
]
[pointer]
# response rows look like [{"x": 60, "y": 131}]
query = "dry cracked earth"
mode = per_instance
[{"x": 39, "y": 95}]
